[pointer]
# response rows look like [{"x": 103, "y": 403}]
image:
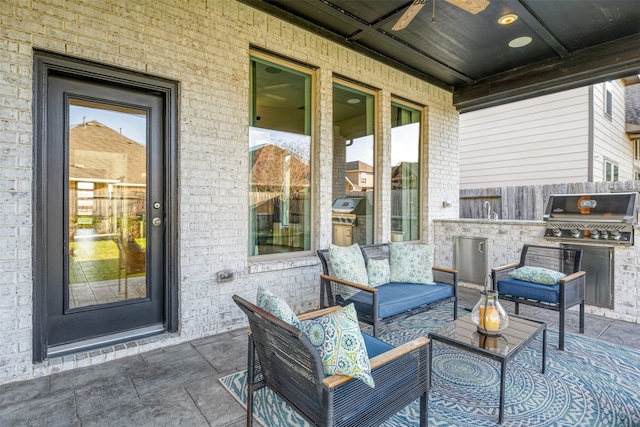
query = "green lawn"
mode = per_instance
[{"x": 97, "y": 260}]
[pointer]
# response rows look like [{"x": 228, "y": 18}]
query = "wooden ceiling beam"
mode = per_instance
[
  {"x": 616, "y": 59},
  {"x": 534, "y": 23},
  {"x": 341, "y": 40}
]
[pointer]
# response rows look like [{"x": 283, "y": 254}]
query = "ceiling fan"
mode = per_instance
[{"x": 471, "y": 6}]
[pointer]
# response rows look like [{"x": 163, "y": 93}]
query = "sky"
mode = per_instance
[{"x": 404, "y": 146}]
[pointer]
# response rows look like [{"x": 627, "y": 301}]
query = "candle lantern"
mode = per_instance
[{"x": 488, "y": 314}]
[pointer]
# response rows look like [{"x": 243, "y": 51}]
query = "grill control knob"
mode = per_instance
[
  {"x": 557, "y": 232},
  {"x": 595, "y": 234},
  {"x": 605, "y": 234},
  {"x": 575, "y": 233},
  {"x": 615, "y": 235}
]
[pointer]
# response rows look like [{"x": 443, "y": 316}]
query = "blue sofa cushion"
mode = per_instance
[
  {"x": 395, "y": 298},
  {"x": 530, "y": 290},
  {"x": 375, "y": 347}
]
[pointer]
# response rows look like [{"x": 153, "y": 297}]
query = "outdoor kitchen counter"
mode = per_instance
[{"x": 505, "y": 239}]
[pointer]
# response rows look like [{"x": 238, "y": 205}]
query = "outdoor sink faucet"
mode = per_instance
[{"x": 487, "y": 205}]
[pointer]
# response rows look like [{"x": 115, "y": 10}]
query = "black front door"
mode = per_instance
[{"x": 105, "y": 209}]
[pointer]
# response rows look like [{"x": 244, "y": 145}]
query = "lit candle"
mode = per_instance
[{"x": 490, "y": 321}]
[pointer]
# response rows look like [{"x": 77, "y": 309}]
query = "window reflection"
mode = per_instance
[
  {"x": 107, "y": 204},
  {"x": 405, "y": 173},
  {"x": 279, "y": 159},
  {"x": 353, "y": 165}
]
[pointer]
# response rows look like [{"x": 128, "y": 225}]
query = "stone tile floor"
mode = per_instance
[{"x": 179, "y": 385}]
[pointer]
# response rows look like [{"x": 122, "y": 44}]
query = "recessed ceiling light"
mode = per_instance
[
  {"x": 507, "y": 19},
  {"x": 520, "y": 42},
  {"x": 353, "y": 101}
]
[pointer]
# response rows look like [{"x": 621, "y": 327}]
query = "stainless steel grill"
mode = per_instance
[
  {"x": 605, "y": 218},
  {"x": 348, "y": 217}
]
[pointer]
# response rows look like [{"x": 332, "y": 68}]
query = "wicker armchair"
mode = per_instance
[
  {"x": 282, "y": 358},
  {"x": 568, "y": 292}
]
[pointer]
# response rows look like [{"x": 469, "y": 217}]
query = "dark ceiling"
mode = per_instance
[{"x": 573, "y": 42}]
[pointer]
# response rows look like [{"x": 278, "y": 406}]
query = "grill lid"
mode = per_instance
[
  {"x": 598, "y": 207},
  {"x": 596, "y": 217},
  {"x": 354, "y": 205}
]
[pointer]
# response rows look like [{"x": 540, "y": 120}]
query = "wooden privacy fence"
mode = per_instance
[{"x": 528, "y": 202}]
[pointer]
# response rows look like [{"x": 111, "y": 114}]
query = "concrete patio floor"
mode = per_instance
[{"x": 179, "y": 385}]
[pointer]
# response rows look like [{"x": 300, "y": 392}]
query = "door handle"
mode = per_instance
[
  {"x": 156, "y": 221},
  {"x": 481, "y": 247}
]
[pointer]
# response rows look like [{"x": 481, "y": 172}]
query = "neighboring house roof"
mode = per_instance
[
  {"x": 358, "y": 166},
  {"x": 98, "y": 152},
  {"x": 632, "y": 111}
]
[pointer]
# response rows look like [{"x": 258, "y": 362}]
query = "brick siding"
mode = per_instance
[{"x": 205, "y": 45}]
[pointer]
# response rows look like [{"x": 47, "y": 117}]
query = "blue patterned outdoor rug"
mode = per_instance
[{"x": 591, "y": 383}]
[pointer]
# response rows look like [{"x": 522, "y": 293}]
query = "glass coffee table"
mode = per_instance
[{"x": 463, "y": 333}]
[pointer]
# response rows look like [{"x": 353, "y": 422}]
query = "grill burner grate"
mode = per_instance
[{"x": 586, "y": 226}]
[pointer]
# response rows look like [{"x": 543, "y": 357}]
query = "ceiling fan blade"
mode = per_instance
[
  {"x": 471, "y": 6},
  {"x": 409, "y": 14},
  {"x": 277, "y": 86},
  {"x": 275, "y": 97}
]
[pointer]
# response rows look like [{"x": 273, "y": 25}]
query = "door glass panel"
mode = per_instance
[{"x": 107, "y": 170}]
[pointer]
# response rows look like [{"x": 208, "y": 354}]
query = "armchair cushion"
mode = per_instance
[
  {"x": 411, "y": 263},
  {"x": 339, "y": 342},
  {"x": 541, "y": 275},
  {"x": 375, "y": 347},
  {"x": 378, "y": 272},
  {"x": 348, "y": 263},
  {"x": 276, "y": 306},
  {"x": 530, "y": 290}
]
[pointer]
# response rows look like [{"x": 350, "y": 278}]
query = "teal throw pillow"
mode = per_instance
[
  {"x": 339, "y": 342},
  {"x": 411, "y": 263},
  {"x": 276, "y": 306},
  {"x": 540, "y": 275},
  {"x": 348, "y": 263},
  {"x": 378, "y": 272}
]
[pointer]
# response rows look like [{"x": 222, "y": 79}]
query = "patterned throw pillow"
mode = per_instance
[
  {"x": 348, "y": 263},
  {"x": 378, "y": 272},
  {"x": 339, "y": 342},
  {"x": 411, "y": 263},
  {"x": 276, "y": 306},
  {"x": 540, "y": 275}
]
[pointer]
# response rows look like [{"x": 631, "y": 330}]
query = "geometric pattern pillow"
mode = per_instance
[
  {"x": 276, "y": 306},
  {"x": 411, "y": 263},
  {"x": 378, "y": 272},
  {"x": 540, "y": 275},
  {"x": 339, "y": 342},
  {"x": 348, "y": 263}
]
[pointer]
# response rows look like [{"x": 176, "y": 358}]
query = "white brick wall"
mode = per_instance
[
  {"x": 505, "y": 240},
  {"x": 205, "y": 46}
]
